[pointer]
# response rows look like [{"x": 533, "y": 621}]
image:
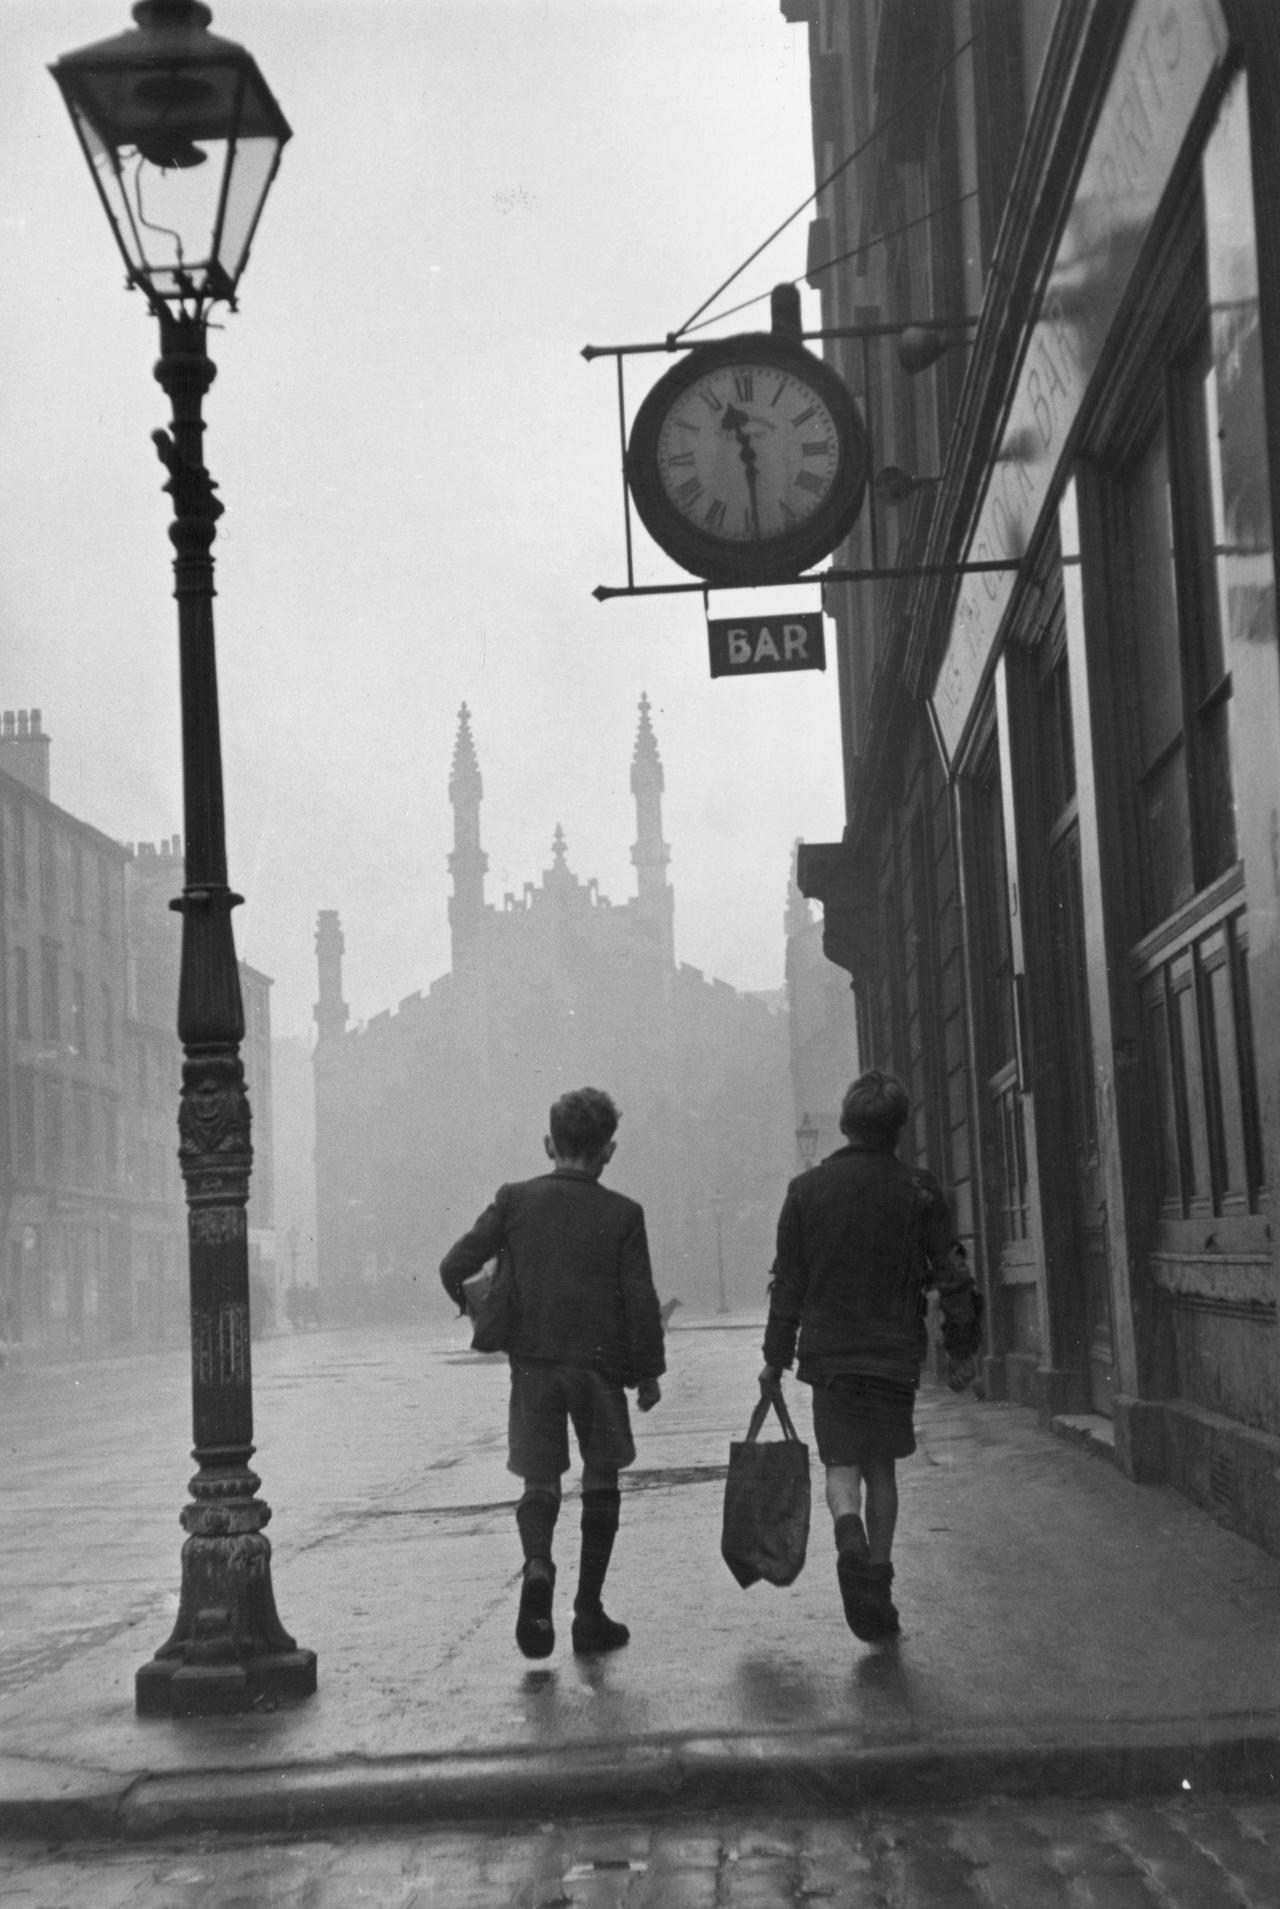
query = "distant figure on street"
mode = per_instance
[
  {"x": 588, "y": 1325},
  {"x": 861, "y": 1238}
]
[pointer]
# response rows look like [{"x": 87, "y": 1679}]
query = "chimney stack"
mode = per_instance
[{"x": 24, "y": 749}]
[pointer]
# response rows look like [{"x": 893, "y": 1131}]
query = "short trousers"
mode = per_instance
[
  {"x": 857, "y": 1418},
  {"x": 545, "y": 1398}
]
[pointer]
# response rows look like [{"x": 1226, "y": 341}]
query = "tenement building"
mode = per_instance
[
  {"x": 92, "y": 1215},
  {"x": 422, "y": 1112},
  {"x": 1057, "y": 888}
]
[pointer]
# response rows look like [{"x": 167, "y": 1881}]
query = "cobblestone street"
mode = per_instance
[{"x": 999, "y": 1856}]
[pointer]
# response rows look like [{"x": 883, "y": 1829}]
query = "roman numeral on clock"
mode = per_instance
[
  {"x": 806, "y": 481},
  {"x": 744, "y": 386},
  {"x": 714, "y": 519},
  {"x": 691, "y": 488}
]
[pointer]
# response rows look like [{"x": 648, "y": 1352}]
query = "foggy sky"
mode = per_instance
[{"x": 420, "y": 472}]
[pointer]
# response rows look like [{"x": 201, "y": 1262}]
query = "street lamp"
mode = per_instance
[
  {"x": 183, "y": 139},
  {"x": 808, "y": 1134},
  {"x": 717, "y": 1207}
]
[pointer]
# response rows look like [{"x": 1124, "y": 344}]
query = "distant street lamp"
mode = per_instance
[
  {"x": 183, "y": 139},
  {"x": 717, "y": 1207},
  {"x": 808, "y": 1134}
]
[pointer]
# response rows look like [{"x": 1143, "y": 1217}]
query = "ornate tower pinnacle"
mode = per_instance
[
  {"x": 650, "y": 854},
  {"x": 464, "y": 782},
  {"x": 798, "y": 915},
  {"x": 330, "y": 1008},
  {"x": 468, "y": 862}
]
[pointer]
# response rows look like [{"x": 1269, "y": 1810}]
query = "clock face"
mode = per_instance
[
  {"x": 747, "y": 460},
  {"x": 748, "y": 453}
]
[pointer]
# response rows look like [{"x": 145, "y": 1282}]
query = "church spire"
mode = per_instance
[
  {"x": 798, "y": 915},
  {"x": 330, "y": 1008},
  {"x": 468, "y": 862},
  {"x": 650, "y": 853}
]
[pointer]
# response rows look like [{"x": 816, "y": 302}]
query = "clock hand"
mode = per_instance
[
  {"x": 735, "y": 421},
  {"x": 752, "y": 475}
]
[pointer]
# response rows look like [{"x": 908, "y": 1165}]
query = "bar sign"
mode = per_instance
[{"x": 760, "y": 645}]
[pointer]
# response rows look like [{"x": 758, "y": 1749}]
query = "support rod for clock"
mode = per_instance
[
  {"x": 672, "y": 342},
  {"x": 869, "y": 574}
]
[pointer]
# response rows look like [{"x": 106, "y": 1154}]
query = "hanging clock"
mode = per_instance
[{"x": 748, "y": 460}]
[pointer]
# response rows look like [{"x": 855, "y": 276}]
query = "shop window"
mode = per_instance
[
  {"x": 1198, "y": 1028},
  {"x": 1182, "y": 689},
  {"x": 1190, "y": 591}
]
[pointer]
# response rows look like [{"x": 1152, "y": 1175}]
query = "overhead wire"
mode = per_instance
[
  {"x": 868, "y": 245},
  {"x": 881, "y": 127}
]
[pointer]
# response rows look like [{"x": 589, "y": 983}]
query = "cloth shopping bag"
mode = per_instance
[
  {"x": 496, "y": 1313},
  {"x": 765, "y": 1531}
]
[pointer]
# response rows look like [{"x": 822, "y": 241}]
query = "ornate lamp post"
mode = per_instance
[
  {"x": 183, "y": 139},
  {"x": 717, "y": 1207},
  {"x": 808, "y": 1134}
]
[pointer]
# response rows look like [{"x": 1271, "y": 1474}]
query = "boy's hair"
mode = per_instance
[
  {"x": 583, "y": 1123},
  {"x": 875, "y": 1109}
]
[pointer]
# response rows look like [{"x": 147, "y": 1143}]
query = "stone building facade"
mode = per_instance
[
  {"x": 422, "y": 1112},
  {"x": 92, "y": 1215}
]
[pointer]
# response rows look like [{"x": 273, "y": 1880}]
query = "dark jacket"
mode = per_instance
[
  {"x": 861, "y": 1239},
  {"x": 581, "y": 1264}
]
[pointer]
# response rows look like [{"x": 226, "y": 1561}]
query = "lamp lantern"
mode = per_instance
[
  {"x": 808, "y": 1133},
  {"x": 183, "y": 137}
]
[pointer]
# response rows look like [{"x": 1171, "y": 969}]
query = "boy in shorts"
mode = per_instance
[
  {"x": 861, "y": 1238},
  {"x": 588, "y": 1326}
]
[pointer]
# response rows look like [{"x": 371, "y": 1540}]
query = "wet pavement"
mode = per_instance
[
  {"x": 1000, "y": 1856},
  {"x": 1063, "y": 1629}
]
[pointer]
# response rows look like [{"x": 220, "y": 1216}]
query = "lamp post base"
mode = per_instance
[
  {"x": 229, "y": 1650},
  {"x": 174, "y": 1687}
]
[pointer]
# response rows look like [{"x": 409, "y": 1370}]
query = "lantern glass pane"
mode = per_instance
[
  {"x": 164, "y": 207},
  {"x": 253, "y": 162},
  {"x": 111, "y": 185}
]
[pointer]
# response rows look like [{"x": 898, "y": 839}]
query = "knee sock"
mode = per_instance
[
  {"x": 536, "y": 1516},
  {"x": 599, "y": 1528},
  {"x": 850, "y": 1535}
]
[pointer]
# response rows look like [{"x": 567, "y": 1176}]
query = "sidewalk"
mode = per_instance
[{"x": 1064, "y": 1633}]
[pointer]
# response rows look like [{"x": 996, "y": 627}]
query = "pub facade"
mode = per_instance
[{"x": 1057, "y": 892}]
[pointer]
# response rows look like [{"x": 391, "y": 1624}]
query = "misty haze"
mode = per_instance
[{"x": 639, "y": 953}]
